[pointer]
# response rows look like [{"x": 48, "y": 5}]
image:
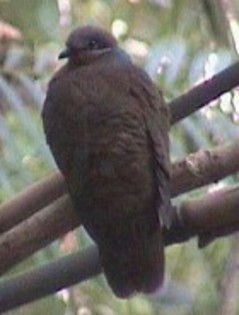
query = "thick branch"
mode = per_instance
[
  {"x": 32, "y": 199},
  {"x": 204, "y": 93},
  {"x": 215, "y": 215},
  {"x": 204, "y": 167},
  {"x": 48, "y": 279},
  {"x": 37, "y": 232}
]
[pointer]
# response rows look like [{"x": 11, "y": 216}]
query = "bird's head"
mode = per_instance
[{"x": 85, "y": 44}]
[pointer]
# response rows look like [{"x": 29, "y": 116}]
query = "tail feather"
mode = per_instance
[{"x": 135, "y": 261}]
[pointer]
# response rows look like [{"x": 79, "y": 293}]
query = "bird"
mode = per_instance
[{"x": 107, "y": 125}]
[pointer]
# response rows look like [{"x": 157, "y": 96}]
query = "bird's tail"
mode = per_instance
[{"x": 133, "y": 260}]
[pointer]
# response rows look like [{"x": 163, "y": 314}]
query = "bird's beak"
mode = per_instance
[{"x": 65, "y": 54}]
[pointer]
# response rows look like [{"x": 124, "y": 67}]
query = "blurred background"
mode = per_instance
[{"x": 179, "y": 43}]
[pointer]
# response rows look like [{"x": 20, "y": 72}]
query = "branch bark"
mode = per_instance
[
  {"x": 204, "y": 167},
  {"x": 36, "y": 284},
  {"x": 36, "y": 232},
  {"x": 31, "y": 200},
  {"x": 204, "y": 93}
]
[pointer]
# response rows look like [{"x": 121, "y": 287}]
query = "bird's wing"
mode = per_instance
[
  {"x": 157, "y": 124},
  {"x": 62, "y": 129}
]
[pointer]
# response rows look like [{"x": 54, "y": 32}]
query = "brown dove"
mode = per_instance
[{"x": 107, "y": 127}]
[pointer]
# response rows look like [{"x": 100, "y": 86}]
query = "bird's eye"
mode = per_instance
[{"x": 93, "y": 44}]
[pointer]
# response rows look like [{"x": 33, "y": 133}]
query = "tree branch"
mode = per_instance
[
  {"x": 48, "y": 279},
  {"x": 31, "y": 200},
  {"x": 204, "y": 93},
  {"x": 36, "y": 232},
  {"x": 204, "y": 167},
  {"x": 215, "y": 215}
]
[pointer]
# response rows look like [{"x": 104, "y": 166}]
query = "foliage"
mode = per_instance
[{"x": 179, "y": 43}]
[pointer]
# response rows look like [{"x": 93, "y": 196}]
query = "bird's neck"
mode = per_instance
[{"x": 85, "y": 59}]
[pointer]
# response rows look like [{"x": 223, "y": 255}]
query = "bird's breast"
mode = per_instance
[
  {"x": 117, "y": 166},
  {"x": 106, "y": 160}
]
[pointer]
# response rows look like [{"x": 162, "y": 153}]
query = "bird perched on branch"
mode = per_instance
[{"x": 107, "y": 127}]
